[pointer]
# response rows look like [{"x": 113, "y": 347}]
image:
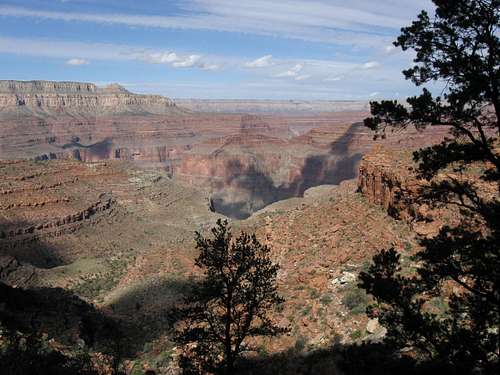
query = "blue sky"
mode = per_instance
[{"x": 228, "y": 49}]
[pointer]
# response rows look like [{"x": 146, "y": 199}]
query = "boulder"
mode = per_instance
[{"x": 372, "y": 326}]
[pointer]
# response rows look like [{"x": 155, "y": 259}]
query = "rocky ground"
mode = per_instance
[{"x": 133, "y": 258}]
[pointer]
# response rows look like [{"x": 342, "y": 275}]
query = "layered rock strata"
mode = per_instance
[
  {"x": 389, "y": 178},
  {"x": 244, "y": 161},
  {"x": 39, "y": 200},
  {"x": 386, "y": 178},
  {"x": 46, "y": 98}
]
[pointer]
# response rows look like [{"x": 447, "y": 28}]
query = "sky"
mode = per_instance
[{"x": 213, "y": 49}]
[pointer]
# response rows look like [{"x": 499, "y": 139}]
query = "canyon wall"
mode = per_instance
[
  {"x": 45, "y": 98},
  {"x": 286, "y": 107},
  {"x": 41, "y": 201},
  {"x": 387, "y": 178},
  {"x": 243, "y": 160}
]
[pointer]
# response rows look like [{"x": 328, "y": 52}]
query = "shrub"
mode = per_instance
[
  {"x": 325, "y": 299},
  {"x": 300, "y": 343},
  {"x": 355, "y": 300}
]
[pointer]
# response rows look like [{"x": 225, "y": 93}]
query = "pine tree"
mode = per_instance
[
  {"x": 231, "y": 302},
  {"x": 459, "y": 46}
]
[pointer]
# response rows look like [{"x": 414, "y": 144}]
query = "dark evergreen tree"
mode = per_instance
[
  {"x": 459, "y": 47},
  {"x": 231, "y": 302}
]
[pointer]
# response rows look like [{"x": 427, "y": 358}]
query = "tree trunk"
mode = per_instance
[{"x": 227, "y": 345}]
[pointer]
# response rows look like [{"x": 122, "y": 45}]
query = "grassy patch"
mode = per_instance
[
  {"x": 306, "y": 310},
  {"x": 314, "y": 294}
]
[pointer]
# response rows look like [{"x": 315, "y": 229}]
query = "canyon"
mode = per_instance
[
  {"x": 243, "y": 161},
  {"x": 121, "y": 236},
  {"x": 101, "y": 191}
]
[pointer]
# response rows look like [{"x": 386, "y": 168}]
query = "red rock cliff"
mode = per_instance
[{"x": 386, "y": 178}]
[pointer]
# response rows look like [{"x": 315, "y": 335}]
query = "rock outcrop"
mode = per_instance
[
  {"x": 386, "y": 178},
  {"x": 45, "y": 98},
  {"x": 45, "y": 206},
  {"x": 389, "y": 178},
  {"x": 41, "y": 201}
]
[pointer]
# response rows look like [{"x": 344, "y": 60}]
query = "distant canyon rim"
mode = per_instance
[{"x": 244, "y": 154}]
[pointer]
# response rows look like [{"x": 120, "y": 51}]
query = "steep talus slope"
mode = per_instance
[{"x": 329, "y": 235}]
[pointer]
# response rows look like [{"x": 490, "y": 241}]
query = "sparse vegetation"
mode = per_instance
[
  {"x": 32, "y": 354},
  {"x": 92, "y": 286},
  {"x": 356, "y": 335},
  {"x": 306, "y": 310}
]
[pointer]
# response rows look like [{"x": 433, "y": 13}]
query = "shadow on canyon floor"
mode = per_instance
[
  {"x": 331, "y": 168},
  {"x": 367, "y": 358},
  {"x": 150, "y": 308},
  {"x": 31, "y": 309},
  {"x": 153, "y": 307},
  {"x": 143, "y": 314},
  {"x": 139, "y": 316},
  {"x": 63, "y": 316}
]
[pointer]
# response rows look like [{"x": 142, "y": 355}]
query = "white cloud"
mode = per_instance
[
  {"x": 261, "y": 62},
  {"x": 293, "y": 72},
  {"x": 187, "y": 62},
  {"x": 77, "y": 62},
  {"x": 373, "y": 94},
  {"x": 98, "y": 51},
  {"x": 314, "y": 20},
  {"x": 174, "y": 60},
  {"x": 300, "y": 78},
  {"x": 164, "y": 57},
  {"x": 179, "y": 61},
  {"x": 372, "y": 65},
  {"x": 390, "y": 49}
]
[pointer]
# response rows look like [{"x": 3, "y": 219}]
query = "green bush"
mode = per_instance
[
  {"x": 355, "y": 300},
  {"x": 262, "y": 350},
  {"x": 314, "y": 293}
]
